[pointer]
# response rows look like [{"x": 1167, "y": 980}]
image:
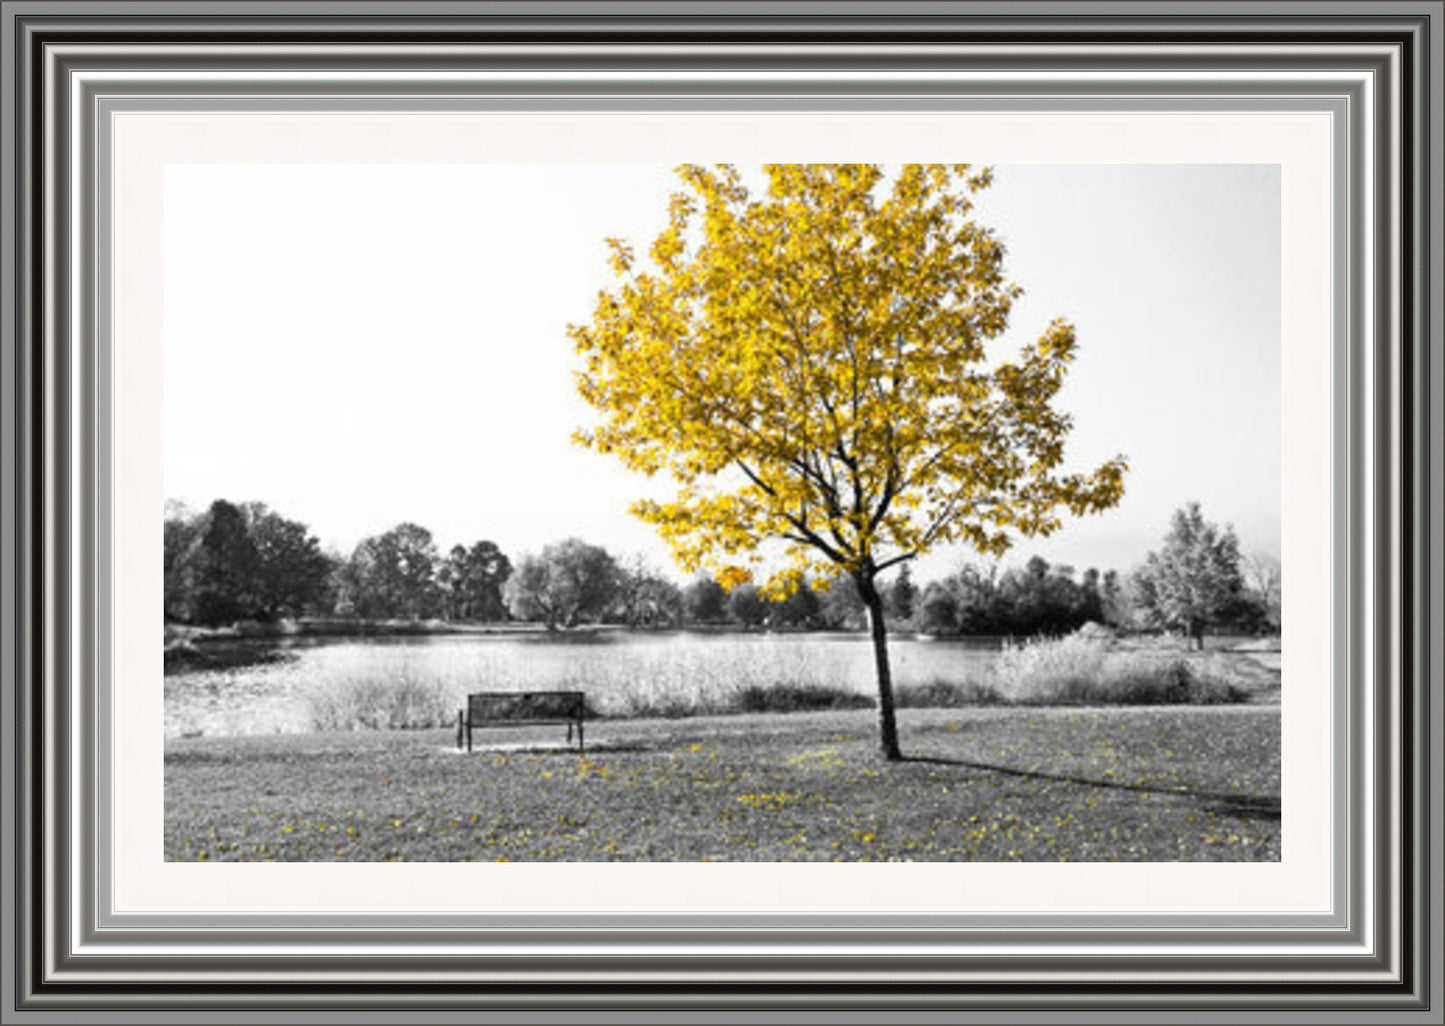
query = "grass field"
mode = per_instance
[{"x": 988, "y": 784}]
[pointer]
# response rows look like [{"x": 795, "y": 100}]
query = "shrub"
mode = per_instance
[
  {"x": 1037, "y": 671},
  {"x": 940, "y": 694},
  {"x": 644, "y": 698},
  {"x": 1092, "y": 630},
  {"x": 796, "y": 697},
  {"x": 373, "y": 703},
  {"x": 350, "y": 694},
  {"x": 1081, "y": 670},
  {"x": 1205, "y": 690}
]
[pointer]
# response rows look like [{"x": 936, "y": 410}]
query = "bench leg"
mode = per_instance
[
  {"x": 581, "y": 743},
  {"x": 459, "y": 730}
]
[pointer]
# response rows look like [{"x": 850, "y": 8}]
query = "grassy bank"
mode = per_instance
[{"x": 995, "y": 784}]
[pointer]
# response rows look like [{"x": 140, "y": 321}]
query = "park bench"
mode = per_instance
[{"x": 521, "y": 709}]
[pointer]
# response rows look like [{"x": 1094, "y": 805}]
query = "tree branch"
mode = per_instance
[{"x": 894, "y": 561}]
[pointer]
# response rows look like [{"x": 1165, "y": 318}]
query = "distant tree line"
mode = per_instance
[
  {"x": 1037, "y": 598},
  {"x": 242, "y": 562},
  {"x": 237, "y": 562},
  {"x": 1196, "y": 582},
  {"x": 246, "y": 562}
]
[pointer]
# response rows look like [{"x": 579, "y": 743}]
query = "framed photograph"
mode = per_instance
[{"x": 717, "y": 511}]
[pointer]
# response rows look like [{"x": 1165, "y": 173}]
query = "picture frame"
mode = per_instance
[{"x": 1370, "y": 72}]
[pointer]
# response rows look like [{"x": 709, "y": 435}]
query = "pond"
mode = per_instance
[{"x": 349, "y": 683}]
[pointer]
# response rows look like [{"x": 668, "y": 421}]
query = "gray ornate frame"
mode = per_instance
[{"x": 1374, "y": 68}]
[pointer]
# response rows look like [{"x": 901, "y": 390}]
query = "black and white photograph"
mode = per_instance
[{"x": 722, "y": 512}]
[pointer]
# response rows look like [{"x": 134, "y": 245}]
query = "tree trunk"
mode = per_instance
[{"x": 887, "y": 723}]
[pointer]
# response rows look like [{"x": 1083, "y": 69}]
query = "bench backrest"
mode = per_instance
[{"x": 525, "y": 705}]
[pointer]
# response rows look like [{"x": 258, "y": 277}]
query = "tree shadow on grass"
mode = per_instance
[{"x": 1221, "y": 802}]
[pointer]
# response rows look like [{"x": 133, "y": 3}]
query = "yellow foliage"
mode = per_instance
[{"x": 809, "y": 364}]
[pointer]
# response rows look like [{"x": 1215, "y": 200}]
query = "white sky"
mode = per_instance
[{"x": 360, "y": 345}]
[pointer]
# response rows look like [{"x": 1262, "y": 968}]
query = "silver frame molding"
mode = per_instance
[{"x": 1374, "y": 68}]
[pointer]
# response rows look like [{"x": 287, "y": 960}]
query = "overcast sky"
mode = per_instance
[{"x": 361, "y": 345}]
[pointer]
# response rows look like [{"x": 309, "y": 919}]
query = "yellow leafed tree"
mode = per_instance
[{"x": 810, "y": 364}]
